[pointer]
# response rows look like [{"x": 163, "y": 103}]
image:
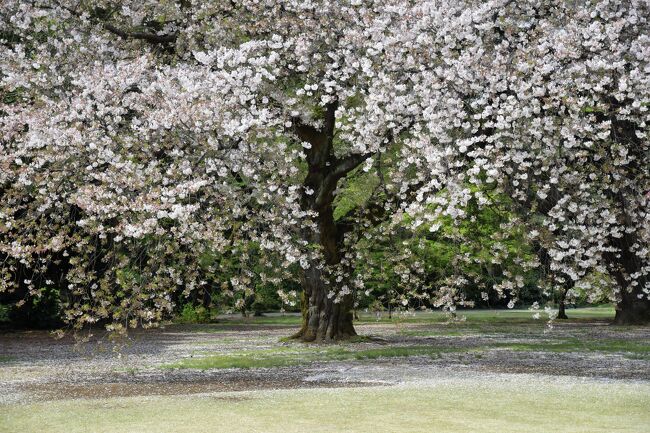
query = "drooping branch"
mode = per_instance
[
  {"x": 153, "y": 38},
  {"x": 102, "y": 15}
]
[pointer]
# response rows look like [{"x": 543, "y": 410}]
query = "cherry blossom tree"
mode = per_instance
[
  {"x": 550, "y": 106},
  {"x": 165, "y": 130},
  {"x": 140, "y": 138}
]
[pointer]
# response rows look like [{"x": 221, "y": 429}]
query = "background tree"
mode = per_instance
[{"x": 551, "y": 108}]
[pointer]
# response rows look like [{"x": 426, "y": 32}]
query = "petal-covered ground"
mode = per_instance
[{"x": 496, "y": 371}]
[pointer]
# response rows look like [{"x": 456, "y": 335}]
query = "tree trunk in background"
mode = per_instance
[
  {"x": 561, "y": 313},
  {"x": 630, "y": 310},
  {"x": 633, "y": 306}
]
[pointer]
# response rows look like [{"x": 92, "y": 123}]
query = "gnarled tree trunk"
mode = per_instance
[
  {"x": 633, "y": 306},
  {"x": 325, "y": 317},
  {"x": 561, "y": 313},
  {"x": 632, "y": 310}
]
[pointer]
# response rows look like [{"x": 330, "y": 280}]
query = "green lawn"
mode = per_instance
[
  {"x": 500, "y": 404},
  {"x": 300, "y": 354},
  {"x": 452, "y": 402},
  {"x": 304, "y": 353},
  {"x": 423, "y": 324},
  {"x": 471, "y": 315}
]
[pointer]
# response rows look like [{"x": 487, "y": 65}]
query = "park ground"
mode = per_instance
[{"x": 496, "y": 371}]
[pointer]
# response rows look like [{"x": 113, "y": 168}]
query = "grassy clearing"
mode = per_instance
[
  {"x": 487, "y": 316},
  {"x": 519, "y": 323},
  {"x": 480, "y": 404},
  {"x": 304, "y": 354},
  {"x": 637, "y": 349},
  {"x": 477, "y": 322},
  {"x": 286, "y": 356},
  {"x": 471, "y": 318},
  {"x": 288, "y": 320}
]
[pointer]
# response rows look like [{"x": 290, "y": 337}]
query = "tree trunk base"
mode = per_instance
[
  {"x": 322, "y": 328},
  {"x": 326, "y": 321},
  {"x": 307, "y": 336},
  {"x": 631, "y": 310},
  {"x": 633, "y": 316}
]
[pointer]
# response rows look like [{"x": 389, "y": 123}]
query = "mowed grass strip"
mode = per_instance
[{"x": 473, "y": 403}]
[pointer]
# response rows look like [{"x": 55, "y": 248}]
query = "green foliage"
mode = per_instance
[
  {"x": 41, "y": 311},
  {"x": 356, "y": 193},
  {"x": 265, "y": 299},
  {"x": 435, "y": 251},
  {"x": 4, "y": 313},
  {"x": 196, "y": 314}
]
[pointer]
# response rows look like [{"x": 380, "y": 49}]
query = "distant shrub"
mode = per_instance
[
  {"x": 196, "y": 314},
  {"x": 4, "y": 313},
  {"x": 42, "y": 311}
]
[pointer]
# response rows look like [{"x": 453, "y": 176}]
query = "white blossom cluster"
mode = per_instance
[{"x": 138, "y": 140}]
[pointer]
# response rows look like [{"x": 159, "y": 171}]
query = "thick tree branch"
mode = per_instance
[
  {"x": 149, "y": 37},
  {"x": 103, "y": 17},
  {"x": 308, "y": 133},
  {"x": 349, "y": 163},
  {"x": 321, "y": 140},
  {"x": 330, "y": 119}
]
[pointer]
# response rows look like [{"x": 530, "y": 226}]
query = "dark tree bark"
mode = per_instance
[
  {"x": 633, "y": 306},
  {"x": 323, "y": 317},
  {"x": 630, "y": 310},
  {"x": 561, "y": 314}
]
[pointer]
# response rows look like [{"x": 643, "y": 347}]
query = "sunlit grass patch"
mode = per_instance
[
  {"x": 638, "y": 349},
  {"x": 295, "y": 355},
  {"x": 486, "y": 316},
  {"x": 127, "y": 370}
]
